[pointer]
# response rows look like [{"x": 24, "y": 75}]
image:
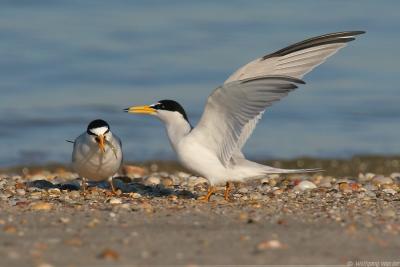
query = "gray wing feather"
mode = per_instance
[
  {"x": 295, "y": 60},
  {"x": 298, "y": 59},
  {"x": 232, "y": 106}
]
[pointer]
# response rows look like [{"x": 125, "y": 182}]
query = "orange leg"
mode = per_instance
[
  {"x": 206, "y": 198},
  {"x": 110, "y": 180},
  {"x": 228, "y": 188},
  {"x": 84, "y": 185}
]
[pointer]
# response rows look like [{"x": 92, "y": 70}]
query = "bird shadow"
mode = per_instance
[{"x": 123, "y": 183}]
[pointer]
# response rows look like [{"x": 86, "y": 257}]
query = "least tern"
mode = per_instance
[
  {"x": 213, "y": 149},
  {"x": 97, "y": 153}
]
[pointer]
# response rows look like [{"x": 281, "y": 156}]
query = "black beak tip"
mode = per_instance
[{"x": 126, "y": 109}]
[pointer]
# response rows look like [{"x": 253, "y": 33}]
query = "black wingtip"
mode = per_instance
[
  {"x": 326, "y": 39},
  {"x": 358, "y": 32},
  {"x": 274, "y": 77}
]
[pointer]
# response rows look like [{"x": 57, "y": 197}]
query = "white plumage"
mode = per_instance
[
  {"x": 213, "y": 148},
  {"x": 97, "y": 153}
]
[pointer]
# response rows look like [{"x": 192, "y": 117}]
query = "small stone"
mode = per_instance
[
  {"x": 389, "y": 191},
  {"x": 74, "y": 194},
  {"x": 115, "y": 201},
  {"x": 272, "y": 182},
  {"x": 54, "y": 191},
  {"x": 109, "y": 254},
  {"x": 20, "y": 192},
  {"x": 135, "y": 195},
  {"x": 370, "y": 193},
  {"x": 41, "y": 206},
  {"x": 243, "y": 190},
  {"x": 381, "y": 180},
  {"x": 194, "y": 181},
  {"x": 10, "y": 229},
  {"x": 183, "y": 175},
  {"x": 395, "y": 176},
  {"x": 270, "y": 244},
  {"x": 255, "y": 196},
  {"x": 152, "y": 181},
  {"x": 64, "y": 220},
  {"x": 370, "y": 187},
  {"x": 304, "y": 185},
  {"x": 20, "y": 186},
  {"x": 167, "y": 182},
  {"x": 389, "y": 213},
  {"x": 134, "y": 171},
  {"x": 94, "y": 222},
  {"x": 325, "y": 182},
  {"x": 277, "y": 192}
]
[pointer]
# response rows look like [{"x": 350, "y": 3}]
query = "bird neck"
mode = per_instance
[{"x": 177, "y": 129}]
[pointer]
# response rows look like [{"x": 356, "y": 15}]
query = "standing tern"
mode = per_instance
[
  {"x": 213, "y": 149},
  {"x": 97, "y": 153}
]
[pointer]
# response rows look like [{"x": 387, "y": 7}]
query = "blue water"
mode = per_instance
[{"x": 64, "y": 63}]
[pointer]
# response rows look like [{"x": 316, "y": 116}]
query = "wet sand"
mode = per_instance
[{"x": 156, "y": 218}]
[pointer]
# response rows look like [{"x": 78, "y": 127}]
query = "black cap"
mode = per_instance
[{"x": 97, "y": 124}]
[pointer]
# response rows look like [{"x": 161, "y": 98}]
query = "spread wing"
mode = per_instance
[
  {"x": 295, "y": 61},
  {"x": 231, "y": 107}
]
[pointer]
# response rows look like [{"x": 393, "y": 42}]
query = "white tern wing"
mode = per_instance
[
  {"x": 232, "y": 106},
  {"x": 295, "y": 61}
]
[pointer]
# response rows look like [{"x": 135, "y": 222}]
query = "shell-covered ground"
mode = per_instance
[{"x": 350, "y": 216}]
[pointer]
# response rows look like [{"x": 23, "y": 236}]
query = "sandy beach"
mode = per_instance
[{"x": 155, "y": 218}]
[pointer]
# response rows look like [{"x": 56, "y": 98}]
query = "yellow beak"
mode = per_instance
[
  {"x": 141, "y": 110},
  {"x": 101, "y": 142}
]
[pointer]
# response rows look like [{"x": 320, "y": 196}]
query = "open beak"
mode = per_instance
[
  {"x": 141, "y": 110},
  {"x": 101, "y": 142}
]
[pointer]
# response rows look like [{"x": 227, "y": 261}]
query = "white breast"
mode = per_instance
[
  {"x": 89, "y": 162},
  {"x": 200, "y": 160}
]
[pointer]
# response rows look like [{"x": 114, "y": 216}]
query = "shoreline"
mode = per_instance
[{"x": 352, "y": 166}]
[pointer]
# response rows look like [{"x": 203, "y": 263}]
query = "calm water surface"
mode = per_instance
[{"x": 64, "y": 63}]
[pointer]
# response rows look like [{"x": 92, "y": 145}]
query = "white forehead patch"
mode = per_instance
[{"x": 99, "y": 130}]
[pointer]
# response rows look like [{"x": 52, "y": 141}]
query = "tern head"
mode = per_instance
[
  {"x": 99, "y": 132},
  {"x": 166, "y": 110}
]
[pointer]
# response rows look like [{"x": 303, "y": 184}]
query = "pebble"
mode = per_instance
[
  {"x": 167, "y": 182},
  {"x": 270, "y": 244},
  {"x": 20, "y": 192},
  {"x": 41, "y": 206},
  {"x": 395, "y": 176},
  {"x": 389, "y": 213},
  {"x": 152, "y": 180},
  {"x": 381, "y": 180},
  {"x": 243, "y": 190},
  {"x": 109, "y": 254},
  {"x": 304, "y": 185},
  {"x": 389, "y": 191},
  {"x": 134, "y": 171},
  {"x": 135, "y": 195},
  {"x": 370, "y": 187},
  {"x": 255, "y": 196},
  {"x": 74, "y": 194},
  {"x": 115, "y": 201}
]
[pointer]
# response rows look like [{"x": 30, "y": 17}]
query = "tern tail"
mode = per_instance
[{"x": 271, "y": 170}]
